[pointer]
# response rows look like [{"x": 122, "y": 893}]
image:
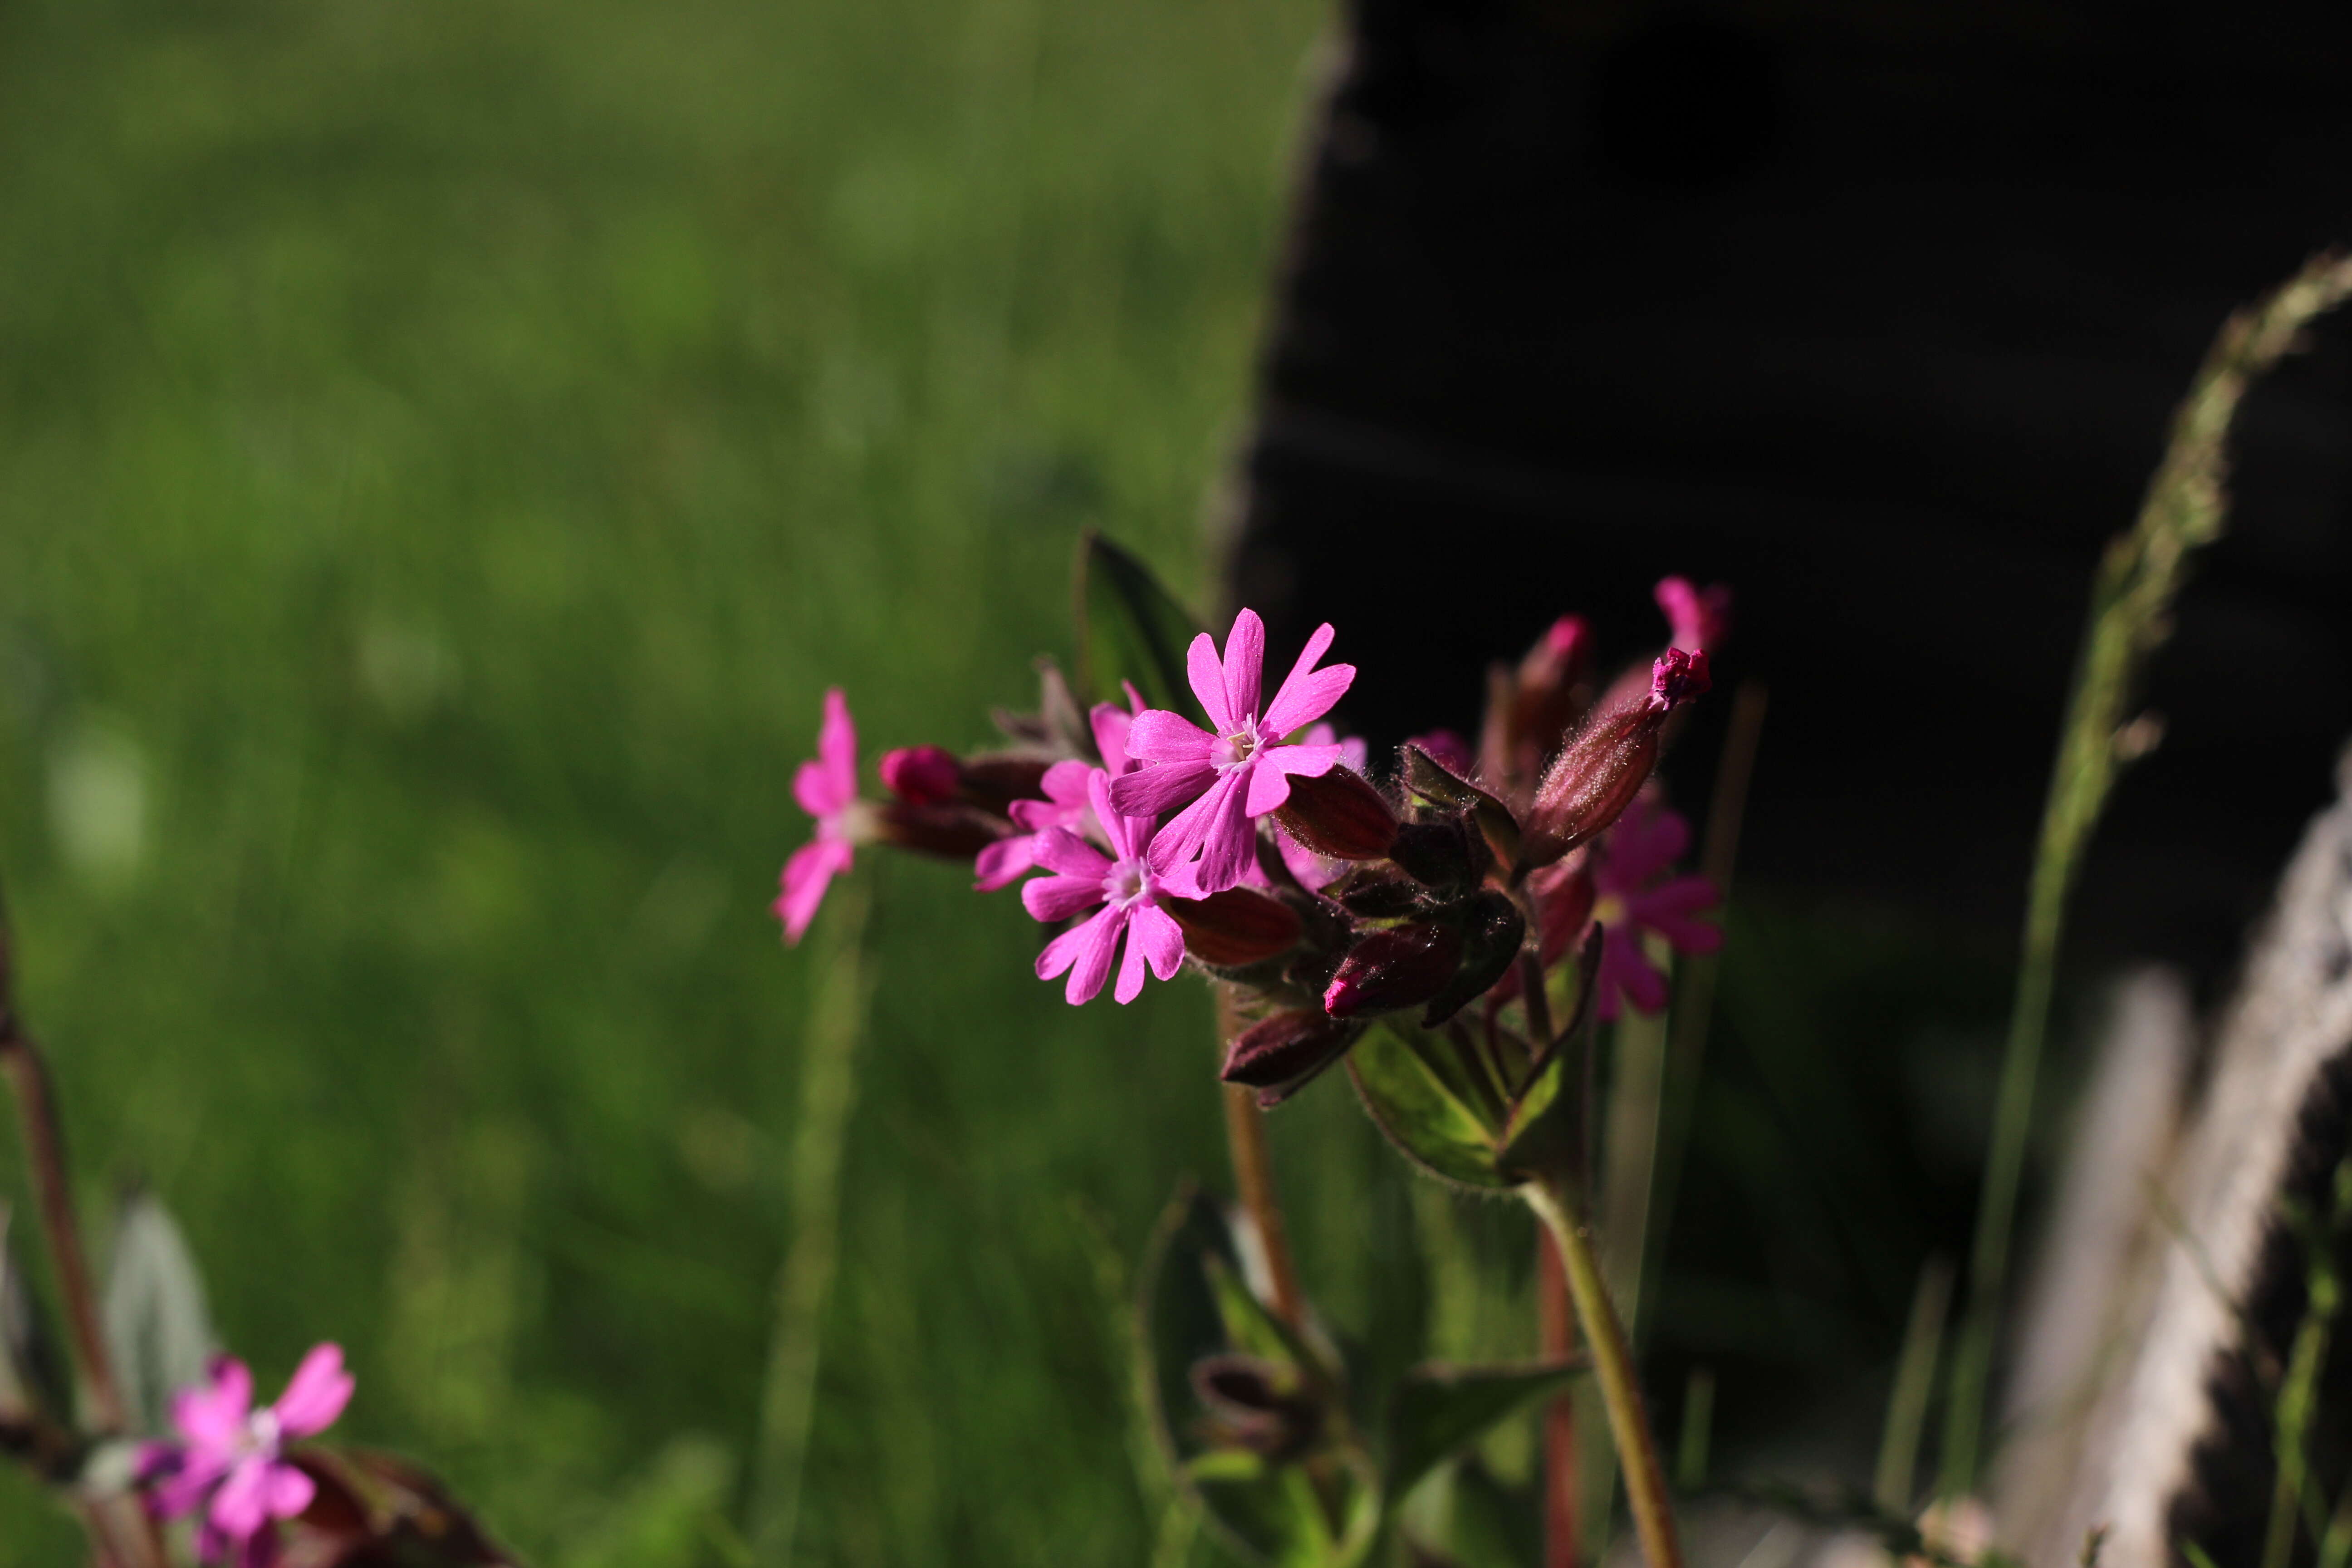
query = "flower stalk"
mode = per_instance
[
  {"x": 1253, "y": 1159},
  {"x": 1554, "y": 1204}
]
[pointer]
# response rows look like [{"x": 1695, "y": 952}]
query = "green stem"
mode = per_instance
[
  {"x": 2131, "y": 605},
  {"x": 805, "y": 1283},
  {"x": 1613, "y": 1367}
]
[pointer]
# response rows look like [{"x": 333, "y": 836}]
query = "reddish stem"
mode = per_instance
[{"x": 1254, "y": 1178}]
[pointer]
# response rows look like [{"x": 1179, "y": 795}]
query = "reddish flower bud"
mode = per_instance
[
  {"x": 1606, "y": 761},
  {"x": 922, "y": 776},
  {"x": 950, "y": 831},
  {"x": 1256, "y": 1404},
  {"x": 1391, "y": 971},
  {"x": 1234, "y": 928},
  {"x": 1340, "y": 815},
  {"x": 1276, "y": 1056}
]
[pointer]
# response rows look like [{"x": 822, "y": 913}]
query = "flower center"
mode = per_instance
[
  {"x": 1230, "y": 752},
  {"x": 1129, "y": 881},
  {"x": 1608, "y": 909},
  {"x": 263, "y": 1434}
]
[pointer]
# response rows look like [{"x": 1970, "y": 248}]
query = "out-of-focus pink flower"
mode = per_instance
[
  {"x": 1632, "y": 899},
  {"x": 827, "y": 790},
  {"x": 1700, "y": 616},
  {"x": 1240, "y": 772},
  {"x": 228, "y": 1465},
  {"x": 1006, "y": 861},
  {"x": 1121, "y": 887}
]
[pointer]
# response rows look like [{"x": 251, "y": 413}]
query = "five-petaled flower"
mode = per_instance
[
  {"x": 1122, "y": 888},
  {"x": 1631, "y": 899},
  {"x": 1241, "y": 771},
  {"x": 827, "y": 790},
  {"x": 229, "y": 1464}
]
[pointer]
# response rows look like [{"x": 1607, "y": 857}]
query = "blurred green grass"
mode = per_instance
[{"x": 444, "y": 451}]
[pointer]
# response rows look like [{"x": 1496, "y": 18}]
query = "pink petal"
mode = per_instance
[
  {"x": 1158, "y": 737},
  {"x": 814, "y": 788},
  {"x": 183, "y": 1492},
  {"x": 1055, "y": 898},
  {"x": 1149, "y": 790},
  {"x": 1208, "y": 681},
  {"x": 1244, "y": 666},
  {"x": 212, "y": 1415},
  {"x": 288, "y": 1491},
  {"x": 1059, "y": 849},
  {"x": 1181, "y": 837},
  {"x": 1086, "y": 951},
  {"x": 1625, "y": 971},
  {"x": 1130, "y": 836},
  {"x": 836, "y": 746},
  {"x": 1269, "y": 785},
  {"x": 261, "y": 1550},
  {"x": 1308, "y": 693},
  {"x": 806, "y": 876},
  {"x": 1130, "y": 971},
  {"x": 1647, "y": 840},
  {"x": 1160, "y": 938},
  {"x": 1065, "y": 784},
  {"x": 1004, "y": 862},
  {"x": 1354, "y": 754},
  {"x": 242, "y": 1504},
  {"x": 1061, "y": 953},
  {"x": 1313, "y": 871},
  {"x": 1110, "y": 725},
  {"x": 1230, "y": 842},
  {"x": 316, "y": 1394}
]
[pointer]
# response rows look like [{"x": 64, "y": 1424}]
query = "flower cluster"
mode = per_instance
[
  {"x": 229, "y": 1468},
  {"x": 1246, "y": 836}
]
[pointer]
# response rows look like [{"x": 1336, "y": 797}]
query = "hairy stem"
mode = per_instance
[
  {"x": 1612, "y": 1366},
  {"x": 2130, "y": 617},
  {"x": 1253, "y": 1182}
]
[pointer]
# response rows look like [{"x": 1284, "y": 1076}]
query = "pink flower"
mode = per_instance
[
  {"x": 1223, "y": 780},
  {"x": 1700, "y": 616},
  {"x": 229, "y": 1464},
  {"x": 1121, "y": 887},
  {"x": 827, "y": 790},
  {"x": 1064, "y": 805},
  {"x": 1647, "y": 840}
]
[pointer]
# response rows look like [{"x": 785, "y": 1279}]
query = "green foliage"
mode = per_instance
[
  {"x": 446, "y": 452},
  {"x": 1437, "y": 1410}
]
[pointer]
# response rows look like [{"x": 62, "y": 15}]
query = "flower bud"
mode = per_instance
[
  {"x": 995, "y": 780},
  {"x": 1391, "y": 971},
  {"x": 1234, "y": 928},
  {"x": 922, "y": 776},
  {"x": 1256, "y": 1404},
  {"x": 1606, "y": 761},
  {"x": 1340, "y": 815},
  {"x": 1437, "y": 853},
  {"x": 1492, "y": 928},
  {"x": 950, "y": 831},
  {"x": 1276, "y": 1056}
]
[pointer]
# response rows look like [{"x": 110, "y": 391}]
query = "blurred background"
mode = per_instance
[{"x": 447, "y": 450}]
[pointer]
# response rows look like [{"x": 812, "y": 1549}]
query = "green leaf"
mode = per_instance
[
  {"x": 1492, "y": 1525},
  {"x": 1439, "y": 1409},
  {"x": 1540, "y": 1133},
  {"x": 157, "y": 1326},
  {"x": 1195, "y": 1305},
  {"x": 1421, "y": 1095},
  {"x": 1131, "y": 628}
]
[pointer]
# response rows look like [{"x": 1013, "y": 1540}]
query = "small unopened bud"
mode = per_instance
[
  {"x": 1391, "y": 971},
  {"x": 1256, "y": 1404},
  {"x": 1276, "y": 1056},
  {"x": 1492, "y": 928},
  {"x": 1339, "y": 813},
  {"x": 1437, "y": 853},
  {"x": 922, "y": 776},
  {"x": 1606, "y": 761},
  {"x": 1234, "y": 928}
]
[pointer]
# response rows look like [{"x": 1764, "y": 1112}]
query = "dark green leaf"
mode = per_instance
[
  {"x": 157, "y": 1325},
  {"x": 1129, "y": 628},
  {"x": 1437, "y": 1409},
  {"x": 1195, "y": 1305},
  {"x": 1433, "y": 783},
  {"x": 1426, "y": 1101},
  {"x": 1493, "y": 1526}
]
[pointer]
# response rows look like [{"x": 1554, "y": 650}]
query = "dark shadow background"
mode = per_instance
[{"x": 1877, "y": 313}]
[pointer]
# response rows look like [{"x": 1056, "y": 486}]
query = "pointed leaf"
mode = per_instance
[
  {"x": 1194, "y": 1306},
  {"x": 1422, "y": 1100},
  {"x": 1434, "y": 784},
  {"x": 1129, "y": 628},
  {"x": 1438, "y": 1409},
  {"x": 157, "y": 1324}
]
